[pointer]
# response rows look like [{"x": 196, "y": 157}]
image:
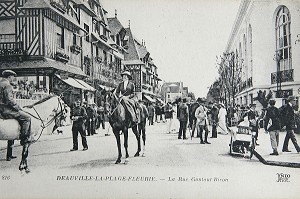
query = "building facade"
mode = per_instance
[
  {"x": 139, "y": 62},
  {"x": 265, "y": 36},
  {"x": 59, "y": 46},
  {"x": 171, "y": 91}
]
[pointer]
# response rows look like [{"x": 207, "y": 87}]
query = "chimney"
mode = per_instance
[
  {"x": 116, "y": 14},
  {"x": 128, "y": 23}
]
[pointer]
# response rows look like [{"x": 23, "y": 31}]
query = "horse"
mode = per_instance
[
  {"x": 42, "y": 114},
  {"x": 119, "y": 120}
]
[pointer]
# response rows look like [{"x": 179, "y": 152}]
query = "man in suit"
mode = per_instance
[
  {"x": 287, "y": 114},
  {"x": 126, "y": 91},
  {"x": 10, "y": 110},
  {"x": 272, "y": 125},
  {"x": 78, "y": 115},
  {"x": 214, "y": 119},
  {"x": 183, "y": 117},
  {"x": 90, "y": 123}
]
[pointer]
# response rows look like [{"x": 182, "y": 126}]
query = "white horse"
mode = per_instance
[{"x": 42, "y": 113}]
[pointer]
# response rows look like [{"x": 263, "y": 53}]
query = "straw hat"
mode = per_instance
[{"x": 127, "y": 73}]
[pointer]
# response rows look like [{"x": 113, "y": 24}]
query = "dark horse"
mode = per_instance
[{"x": 120, "y": 121}]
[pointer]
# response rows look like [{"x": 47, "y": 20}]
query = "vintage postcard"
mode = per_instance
[{"x": 149, "y": 99}]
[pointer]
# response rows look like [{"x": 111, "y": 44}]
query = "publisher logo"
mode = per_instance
[{"x": 281, "y": 177}]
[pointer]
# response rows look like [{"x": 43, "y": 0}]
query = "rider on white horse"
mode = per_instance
[{"x": 9, "y": 108}]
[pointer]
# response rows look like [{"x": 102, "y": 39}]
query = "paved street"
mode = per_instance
[{"x": 172, "y": 168}]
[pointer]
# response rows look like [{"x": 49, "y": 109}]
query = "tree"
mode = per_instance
[
  {"x": 229, "y": 69},
  {"x": 214, "y": 93},
  {"x": 191, "y": 95},
  {"x": 264, "y": 98}
]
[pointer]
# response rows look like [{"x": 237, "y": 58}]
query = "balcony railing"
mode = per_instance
[
  {"x": 284, "y": 76},
  {"x": 10, "y": 50},
  {"x": 246, "y": 84},
  {"x": 59, "y": 56}
]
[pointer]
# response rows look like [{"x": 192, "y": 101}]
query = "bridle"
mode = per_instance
[
  {"x": 45, "y": 123},
  {"x": 118, "y": 104}
]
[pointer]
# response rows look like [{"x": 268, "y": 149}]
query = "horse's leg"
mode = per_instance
[
  {"x": 23, "y": 164},
  {"x": 125, "y": 132},
  {"x": 117, "y": 135},
  {"x": 137, "y": 136},
  {"x": 144, "y": 138}
]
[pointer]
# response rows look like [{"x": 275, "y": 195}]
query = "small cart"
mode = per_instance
[{"x": 242, "y": 141}]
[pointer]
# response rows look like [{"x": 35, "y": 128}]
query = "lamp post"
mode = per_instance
[{"x": 278, "y": 57}]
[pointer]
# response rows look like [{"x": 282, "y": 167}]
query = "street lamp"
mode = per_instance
[{"x": 277, "y": 58}]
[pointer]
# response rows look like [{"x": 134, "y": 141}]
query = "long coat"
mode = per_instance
[
  {"x": 201, "y": 116},
  {"x": 128, "y": 91},
  {"x": 8, "y": 107},
  {"x": 288, "y": 116}
]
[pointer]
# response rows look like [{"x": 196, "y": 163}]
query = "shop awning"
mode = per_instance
[
  {"x": 72, "y": 82},
  {"x": 87, "y": 86},
  {"x": 150, "y": 99},
  {"x": 160, "y": 101},
  {"x": 76, "y": 83}
]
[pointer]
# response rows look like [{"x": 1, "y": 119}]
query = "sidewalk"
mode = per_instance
[{"x": 264, "y": 148}]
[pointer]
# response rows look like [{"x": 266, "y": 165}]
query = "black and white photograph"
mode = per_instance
[{"x": 149, "y": 99}]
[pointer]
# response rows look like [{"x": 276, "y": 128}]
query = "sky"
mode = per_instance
[{"x": 183, "y": 36}]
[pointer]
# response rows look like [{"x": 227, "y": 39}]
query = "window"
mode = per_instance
[
  {"x": 283, "y": 37},
  {"x": 87, "y": 29},
  {"x": 60, "y": 37},
  {"x": 118, "y": 65},
  {"x": 144, "y": 78},
  {"x": 105, "y": 56},
  {"x": 250, "y": 51},
  {"x": 251, "y": 98},
  {"x": 74, "y": 39},
  {"x": 97, "y": 51}
]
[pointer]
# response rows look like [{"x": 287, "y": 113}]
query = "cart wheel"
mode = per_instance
[{"x": 230, "y": 146}]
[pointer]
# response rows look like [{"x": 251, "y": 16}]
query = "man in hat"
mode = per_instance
[
  {"x": 183, "y": 117},
  {"x": 126, "y": 91},
  {"x": 78, "y": 115},
  {"x": 192, "y": 118},
  {"x": 202, "y": 122},
  {"x": 214, "y": 119},
  {"x": 287, "y": 114},
  {"x": 10, "y": 110},
  {"x": 272, "y": 125}
]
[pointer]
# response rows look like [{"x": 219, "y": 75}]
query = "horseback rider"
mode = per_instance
[
  {"x": 9, "y": 108},
  {"x": 126, "y": 91}
]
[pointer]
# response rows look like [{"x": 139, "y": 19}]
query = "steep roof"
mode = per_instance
[
  {"x": 114, "y": 25},
  {"x": 132, "y": 51},
  {"x": 142, "y": 51}
]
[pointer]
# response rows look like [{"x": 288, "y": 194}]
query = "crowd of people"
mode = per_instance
[{"x": 200, "y": 116}]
